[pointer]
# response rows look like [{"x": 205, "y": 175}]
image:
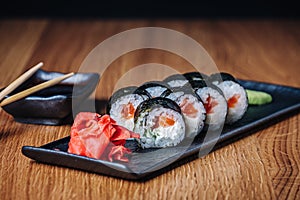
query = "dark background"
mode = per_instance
[{"x": 149, "y": 9}]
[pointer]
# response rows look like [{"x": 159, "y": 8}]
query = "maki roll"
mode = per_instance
[
  {"x": 152, "y": 89},
  {"x": 214, "y": 103},
  {"x": 195, "y": 76},
  {"x": 159, "y": 123},
  {"x": 122, "y": 105},
  {"x": 234, "y": 93},
  {"x": 192, "y": 109},
  {"x": 176, "y": 80}
]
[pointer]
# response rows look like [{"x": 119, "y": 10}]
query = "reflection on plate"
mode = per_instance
[{"x": 146, "y": 164}]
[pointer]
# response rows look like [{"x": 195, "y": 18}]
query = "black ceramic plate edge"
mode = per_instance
[
  {"x": 64, "y": 159},
  {"x": 45, "y": 153}
]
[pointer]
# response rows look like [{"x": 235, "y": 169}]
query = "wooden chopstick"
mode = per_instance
[
  {"x": 33, "y": 89},
  {"x": 20, "y": 80}
]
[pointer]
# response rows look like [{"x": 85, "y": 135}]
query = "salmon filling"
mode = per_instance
[
  {"x": 209, "y": 104},
  {"x": 188, "y": 109},
  {"x": 233, "y": 100},
  {"x": 163, "y": 121},
  {"x": 128, "y": 111}
]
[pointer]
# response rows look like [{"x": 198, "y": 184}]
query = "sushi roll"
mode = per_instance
[
  {"x": 159, "y": 123},
  {"x": 214, "y": 103},
  {"x": 235, "y": 96},
  {"x": 176, "y": 80},
  {"x": 192, "y": 109},
  {"x": 122, "y": 105},
  {"x": 195, "y": 76},
  {"x": 152, "y": 89}
]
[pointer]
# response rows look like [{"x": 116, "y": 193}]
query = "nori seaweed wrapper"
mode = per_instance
[
  {"x": 148, "y": 105},
  {"x": 142, "y": 90}
]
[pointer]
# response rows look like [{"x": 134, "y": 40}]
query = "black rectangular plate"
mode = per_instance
[{"x": 146, "y": 164}]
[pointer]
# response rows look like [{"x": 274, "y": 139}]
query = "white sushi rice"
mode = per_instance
[
  {"x": 175, "y": 95},
  {"x": 177, "y": 83},
  {"x": 230, "y": 89},
  {"x": 216, "y": 118},
  {"x": 194, "y": 125},
  {"x": 156, "y": 91},
  {"x": 118, "y": 105},
  {"x": 152, "y": 136}
]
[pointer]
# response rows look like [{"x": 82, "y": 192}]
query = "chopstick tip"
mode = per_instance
[
  {"x": 40, "y": 64},
  {"x": 70, "y": 74}
]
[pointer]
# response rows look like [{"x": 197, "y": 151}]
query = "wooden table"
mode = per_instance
[{"x": 264, "y": 165}]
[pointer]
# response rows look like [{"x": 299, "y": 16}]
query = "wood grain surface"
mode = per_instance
[{"x": 264, "y": 165}]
